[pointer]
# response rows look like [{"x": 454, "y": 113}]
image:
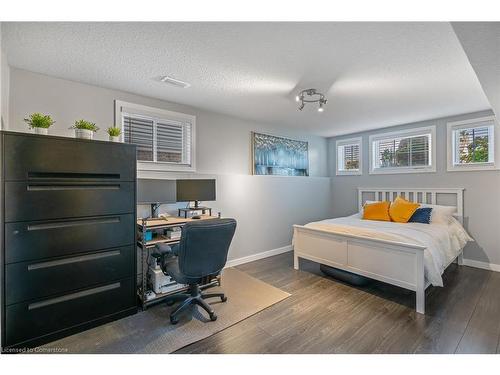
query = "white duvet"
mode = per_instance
[{"x": 443, "y": 242}]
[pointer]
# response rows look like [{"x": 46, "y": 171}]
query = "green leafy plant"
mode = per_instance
[
  {"x": 114, "y": 131},
  {"x": 475, "y": 151},
  {"x": 39, "y": 120},
  {"x": 83, "y": 124},
  {"x": 386, "y": 157}
]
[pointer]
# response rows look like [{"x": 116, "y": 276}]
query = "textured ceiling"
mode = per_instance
[{"x": 373, "y": 74}]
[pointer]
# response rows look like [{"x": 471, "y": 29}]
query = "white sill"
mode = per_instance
[
  {"x": 472, "y": 167},
  {"x": 402, "y": 170},
  {"x": 164, "y": 167},
  {"x": 356, "y": 172}
]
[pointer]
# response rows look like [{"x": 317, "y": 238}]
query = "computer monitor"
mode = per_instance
[
  {"x": 195, "y": 190},
  {"x": 155, "y": 192}
]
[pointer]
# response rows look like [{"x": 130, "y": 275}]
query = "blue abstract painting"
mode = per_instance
[{"x": 279, "y": 156}]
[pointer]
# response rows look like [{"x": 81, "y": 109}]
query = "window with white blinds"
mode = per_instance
[
  {"x": 472, "y": 143},
  {"x": 349, "y": 156},
  {"x": 403, "y": 152},
  {"x": 158, "y": 140},
  {"x": 164, "y": 139}
]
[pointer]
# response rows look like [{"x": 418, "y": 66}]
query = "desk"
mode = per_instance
[{"x": 145, "y": 247}]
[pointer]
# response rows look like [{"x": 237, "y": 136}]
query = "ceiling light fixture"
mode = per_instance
[
  {"x": 311, "y": 96},
  {"x": 175, "y": 82}
]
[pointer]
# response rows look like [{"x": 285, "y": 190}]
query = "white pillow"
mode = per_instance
[{"x": 440, "y": 214}]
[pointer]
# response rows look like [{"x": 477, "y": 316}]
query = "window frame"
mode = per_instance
[
  {"x": 478, "y": 122},
  {"x": 349, "y": 142},
  {"x": 122, "y": 107},
  {"x": 413, "y": 132}
]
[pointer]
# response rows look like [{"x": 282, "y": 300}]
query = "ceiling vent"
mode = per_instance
[{"x": 175, "y": 82}]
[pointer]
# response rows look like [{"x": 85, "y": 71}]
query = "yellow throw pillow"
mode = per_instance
[
  {"x": 401, "y": 210},
  {"x": 377, "y": 211}
]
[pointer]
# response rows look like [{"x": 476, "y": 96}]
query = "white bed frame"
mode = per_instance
[{"x": 396, "y": 263}]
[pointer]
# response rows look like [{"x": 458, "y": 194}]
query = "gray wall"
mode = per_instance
[
  {"x": 4, "y": 85},
  {"x": 482, "y": 189},
  {"x": 265, "y": 206}
]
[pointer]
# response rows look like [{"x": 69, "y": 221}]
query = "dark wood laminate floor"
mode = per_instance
[{"x": 326, "y": 316}]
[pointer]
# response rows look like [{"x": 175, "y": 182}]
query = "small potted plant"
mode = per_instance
[
  {"x": 114, "y": 133},
  {"x": 84, "y": 129},
  {"x": 39, "y": 122}
]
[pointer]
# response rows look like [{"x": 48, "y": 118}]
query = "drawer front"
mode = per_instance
[
  {"x": 42, "y": 157},
  {"x": 29, "y": 320},
  {"x": 37, "y": 279},
  {"x": 44, "y": 200},
  {"x": 34, "y": 240}
]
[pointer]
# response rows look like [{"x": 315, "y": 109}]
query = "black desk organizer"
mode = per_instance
[{"x": 68, "y": 236}]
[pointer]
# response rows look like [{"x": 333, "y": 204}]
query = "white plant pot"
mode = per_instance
[
  {"x": 42, "y": 131},
  {"x": 114, "y": 138},
  {"x": 84, "y": 134}
]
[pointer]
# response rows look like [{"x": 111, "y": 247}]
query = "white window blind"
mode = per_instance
[
  {"x": 405, "y": 151},
  {"x": 349, "y": 156},
  {"x": 473, "y": 145},
  {"x": 159, "y": 140},
  {"x": 139, "y": 131}
]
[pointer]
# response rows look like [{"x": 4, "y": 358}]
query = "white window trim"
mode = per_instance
[
  {"x": 126, "y": 107},
  {"x": 345, "y": 142},
  {"x": 451, "y": 126},
  {"x": 404, "y": 133}
]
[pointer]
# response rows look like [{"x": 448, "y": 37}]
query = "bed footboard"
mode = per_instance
[{"x": 393, "y": 262}]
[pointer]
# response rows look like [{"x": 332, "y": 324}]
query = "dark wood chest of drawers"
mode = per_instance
[{"x": 68, "y": 212}]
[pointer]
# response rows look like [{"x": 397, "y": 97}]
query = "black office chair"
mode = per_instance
[{"x": 201, "y": 253}]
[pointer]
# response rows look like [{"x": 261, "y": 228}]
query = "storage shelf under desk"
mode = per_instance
[
  {"x": 145, "y": 225},
  {"x": 161, "y": 296},
  {"x": 152, "y": 243}
]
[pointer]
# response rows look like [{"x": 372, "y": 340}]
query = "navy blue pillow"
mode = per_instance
[{"x": 421, "y": 215}]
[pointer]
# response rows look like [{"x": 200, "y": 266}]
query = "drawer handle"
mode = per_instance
[
  {"x": 103, "y": 176},
  {"x": 78, "y": 259},
  {"x": 72, "y": 187},
  {"x": 69, "y": 297},
  {"x": 72, "y": 223}
]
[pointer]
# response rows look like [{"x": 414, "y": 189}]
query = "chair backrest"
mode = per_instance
[{"x": 204, "y": 246}]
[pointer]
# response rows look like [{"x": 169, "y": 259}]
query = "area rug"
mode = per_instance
[{"x": 150, "y": 331}]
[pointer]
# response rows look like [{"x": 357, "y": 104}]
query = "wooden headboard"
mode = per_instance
[{"x": 429, "y": 196}]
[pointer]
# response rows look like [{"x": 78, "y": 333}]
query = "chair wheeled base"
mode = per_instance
[{"x": 193, "y": 297}]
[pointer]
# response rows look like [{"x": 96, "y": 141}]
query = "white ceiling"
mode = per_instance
[
  {"x": 373, "y": 74},
  {"x": 481, "y": 43}
]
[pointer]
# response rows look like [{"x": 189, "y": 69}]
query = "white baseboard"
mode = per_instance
[
  {"x": 253, "y": 257},
  {"x": 482, "y": 265}
]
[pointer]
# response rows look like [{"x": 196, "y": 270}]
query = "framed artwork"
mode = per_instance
[{"x": 279, "y": 156}]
